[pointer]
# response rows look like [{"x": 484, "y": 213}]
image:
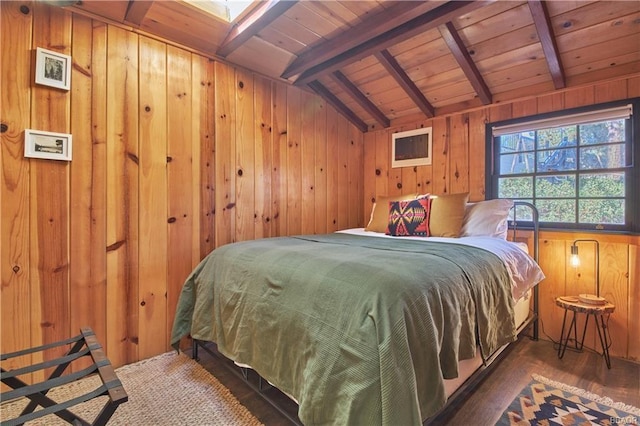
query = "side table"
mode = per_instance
[{"x": 573, "y": 304}]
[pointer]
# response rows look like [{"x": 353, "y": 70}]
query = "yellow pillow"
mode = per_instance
[
  {"x": 380, "y": 212},
  {"x": 447, "y": 214}
]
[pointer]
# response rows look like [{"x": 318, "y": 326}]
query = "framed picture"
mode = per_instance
[
  {"x": 48, "y": 145},
  {"x": 411, "y": 148},
  {"x": 53, "y": 69}
]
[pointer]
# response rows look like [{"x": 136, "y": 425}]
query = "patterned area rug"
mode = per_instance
[
  {"x": 545, "y": 402},
  {"x": 169, "y": 389}
]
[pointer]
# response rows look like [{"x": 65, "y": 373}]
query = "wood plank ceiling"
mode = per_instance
[{"x": 379, "y": 61}]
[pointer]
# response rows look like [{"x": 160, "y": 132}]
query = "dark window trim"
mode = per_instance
[{"x": 632, "y": 188}]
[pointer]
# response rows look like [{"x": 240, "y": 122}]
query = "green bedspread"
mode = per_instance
[{"x": 359, "y": 330}]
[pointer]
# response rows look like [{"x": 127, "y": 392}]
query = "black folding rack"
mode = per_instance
[{"x": 84, "y": 344}]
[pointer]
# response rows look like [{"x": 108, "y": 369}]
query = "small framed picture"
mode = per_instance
[
  {"x": 411, "y": 148},
  {"x": 53, "y": 69},
  {"x": 47, "y": 145}
]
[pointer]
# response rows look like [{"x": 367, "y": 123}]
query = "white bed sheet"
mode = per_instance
[
  {"x": 467, "y": 367},
  {"x": 524, "y": 271}
]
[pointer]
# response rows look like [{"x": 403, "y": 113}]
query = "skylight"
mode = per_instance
[
  {"x": 227, "y": 10},
  {"x": 235, "y": 7}
]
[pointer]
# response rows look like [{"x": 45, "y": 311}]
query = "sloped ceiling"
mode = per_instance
[{"x": 379, "y": 61}]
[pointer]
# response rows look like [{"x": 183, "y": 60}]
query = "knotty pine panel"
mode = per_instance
[
  {"x": 153, "y": 198},
  {"x": 203, "y": 152},
  {"x": 49, "y": 193},
  {"x": 308, "y": 154},
  {"x": 550, "y": 102},
  {"x": 369, "y": 164},
  {"x": 15, "y": 200},
  {"x": 424, "y": 179},
  {"x": 610, "y": 91},
  {"x": 476, "y": 122},
  {"x": 225, "y": 122},
  {"x": 459, "y": 137},
  {"x": 554, "y": 262},
  {"x": 615, "y": 287},
  {"x": 441, "y": 159},
  {"x": 279, "y": 175},
  {"x": 342, "y": 192},
  {"x": 395, "y": 174},
  {"x": 321, "y": 192},
  {"x": 122, "y": 154},
  {"x": 524, "y": 108},
  {"x": 579, "y": 97},
  {"x": 97, "y": 210},
  {"x": 87, "y": 268},
  {"x": 182, "y": 174},
  {"x": 333, "y": 165},
  {"x": 263, "y": 146},
  {"x": 244, "y": 170},
  {"x": 382, "y": 164},
  {"x": 633, "y": 306},
  {"x": 294, "y": 159},
  {"x": 354, "y": 170}
]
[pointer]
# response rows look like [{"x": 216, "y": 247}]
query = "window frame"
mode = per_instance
[{"x": 631, "y": 169}]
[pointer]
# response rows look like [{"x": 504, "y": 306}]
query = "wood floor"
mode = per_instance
[{"x": 484, "y": 406}]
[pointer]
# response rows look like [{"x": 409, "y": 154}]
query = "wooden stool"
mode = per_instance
[
  {"x": 573, "y": 304},
  {"x": 85, "y": 344}
]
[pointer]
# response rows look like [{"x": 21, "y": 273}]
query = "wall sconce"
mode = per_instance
[{"x": 575, "y": 262}]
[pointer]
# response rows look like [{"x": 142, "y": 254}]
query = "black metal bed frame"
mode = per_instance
[{"x": 260, "y": 385}]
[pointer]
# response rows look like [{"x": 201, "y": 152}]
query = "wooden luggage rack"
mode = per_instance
[{"x": 84, "y": 344}]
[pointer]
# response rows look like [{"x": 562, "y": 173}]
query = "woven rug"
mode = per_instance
[
  {"x": 546, "y": 402},
  {"x": 169, "y": 389}
]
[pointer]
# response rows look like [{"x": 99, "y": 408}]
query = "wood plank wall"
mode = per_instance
[
  {"x": 458, "y": 166},
  {"x": 173, "y": 155}
]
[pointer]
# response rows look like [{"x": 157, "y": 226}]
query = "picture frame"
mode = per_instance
[
  {"x": 411, "y": 148},
  {"x": 47, "y": 145},
  {"x": 53, "y": 69}
]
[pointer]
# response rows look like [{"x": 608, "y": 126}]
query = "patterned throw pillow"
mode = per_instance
[{"x": 409, "y": 218}]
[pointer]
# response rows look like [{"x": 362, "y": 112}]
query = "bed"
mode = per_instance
[{"x": 356, "y": 326}]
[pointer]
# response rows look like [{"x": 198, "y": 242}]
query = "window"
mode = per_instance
[
  {"x": 578, "y": 167},
  {"x": 227, "y": 10}
]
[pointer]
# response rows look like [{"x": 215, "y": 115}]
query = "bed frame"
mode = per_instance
[{"x": 262, "y": 386}]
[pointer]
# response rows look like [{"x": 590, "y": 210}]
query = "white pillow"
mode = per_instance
[{"x": 487, "y": 218}]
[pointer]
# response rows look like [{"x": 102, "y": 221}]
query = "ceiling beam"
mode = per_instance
[
  {"x": 397, "y": 72},
  {"x": 136, "y": 11},
  {"x": 337, "y": 104},
  {"x": 360, "y": 98},
  {"x": 388, "y": 19},
  {"x": 547, "y": 39},
  {"x": 457, "y": 47},
  {"x": 410, "y": 29},
  {"x": 264, "y": 14}
]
